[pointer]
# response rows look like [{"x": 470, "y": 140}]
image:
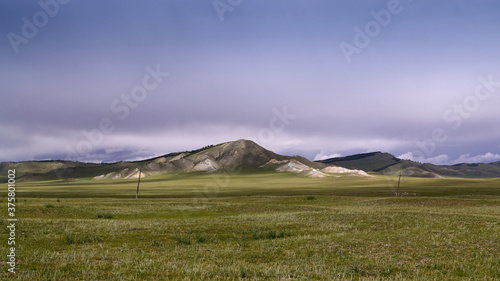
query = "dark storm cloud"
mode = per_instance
[{"x": 228, "y": 76}]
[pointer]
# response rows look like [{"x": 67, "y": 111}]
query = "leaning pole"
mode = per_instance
[
  {"x": 138, "y": 183},
  {"x": 397, "y": 191}
]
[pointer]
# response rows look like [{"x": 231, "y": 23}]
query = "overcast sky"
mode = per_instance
[{"x": 125, "y": 80}]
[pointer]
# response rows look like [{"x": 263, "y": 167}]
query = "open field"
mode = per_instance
[
  {"x": 258, "y": 227},
  {"x": 280, "y": 184}
]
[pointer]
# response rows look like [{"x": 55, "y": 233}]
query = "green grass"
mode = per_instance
[
  {"x": 283, "y": 184},
  {"x": 182, "y": 240},
  {"x": 257, "y": 227},
  {"x": 104, "y": 215},
  {"x": 81, "y": 238}
]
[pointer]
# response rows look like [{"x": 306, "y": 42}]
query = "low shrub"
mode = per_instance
[
  {"x": 81, "y": 238},
  {"x": 182, "y": 240},
  {"x": 104, "y": 215}
]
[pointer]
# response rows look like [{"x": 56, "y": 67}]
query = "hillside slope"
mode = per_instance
[
  {"x": 388, "y": 164},
  {"x": 241, "y": 156}
]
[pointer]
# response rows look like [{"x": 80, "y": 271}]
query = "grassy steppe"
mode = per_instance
[{"x": 257, "y": 227}]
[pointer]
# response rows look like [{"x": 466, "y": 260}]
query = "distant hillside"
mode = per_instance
[
  {"x": 242, "y": 156},
  {"x": 368, "y": 162},
  {"x": 388, "y": 164},
  {"x": 48, "y": 170}
]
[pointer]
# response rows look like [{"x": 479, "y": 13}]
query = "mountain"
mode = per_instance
[
  {"x": 388, "y": 164},
  {"x": 372, "y": 162},
  {"x": 243, "y": 156},
  {"x": 240, "y": 156},
  {"x": 233, "y": 156}
]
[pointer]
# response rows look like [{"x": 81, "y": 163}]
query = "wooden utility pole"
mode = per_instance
[
  {"x": 138, "y": 182},
  {"x": 399, "y": 181}
]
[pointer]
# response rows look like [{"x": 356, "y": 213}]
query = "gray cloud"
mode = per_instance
[{"x": 226, "y": 78}]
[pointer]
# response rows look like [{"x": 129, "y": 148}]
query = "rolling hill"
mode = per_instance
[
  {"x": 243, "y": 156},
  {"x": 388, "y": 164}
]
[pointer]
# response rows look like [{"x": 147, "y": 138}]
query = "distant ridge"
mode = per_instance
[
  {"x": 388, "y": 164},
  {"x": 368, "y": 162},
  {"x": 243, "y": 156}
]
